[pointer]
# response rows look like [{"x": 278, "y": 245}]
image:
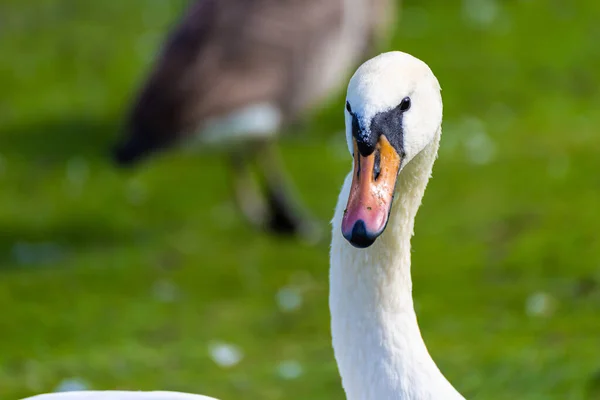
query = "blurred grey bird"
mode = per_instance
[{"x": 235, "y": 73}]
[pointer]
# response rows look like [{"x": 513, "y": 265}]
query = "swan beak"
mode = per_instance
[{"x": 371, "y": 193}]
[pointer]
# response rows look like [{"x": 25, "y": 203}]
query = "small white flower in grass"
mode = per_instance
[
  {"x": 186, "y": 242},
  {"x": 481, "y": 149},
  {"x": 165, "y": 291},
  {"x": 72, "y": 385},
  {"x": 225, "y": 355},
  {"x": 2, "y": 165},
  {"x": 32, "y": 374},
  {"x": 290, "y": 369},
  {"x": 136, "y": 192},
  {"x": 540, "y": 304},
  {"x": 480, "y": 12},
  {"x": 77, "y": 171},
  {"x": 289, "y": 299}
]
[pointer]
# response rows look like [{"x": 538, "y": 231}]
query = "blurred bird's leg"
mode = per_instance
[
  {"x": 285, "y": 214},
  {"x": 246, "y": 193}
]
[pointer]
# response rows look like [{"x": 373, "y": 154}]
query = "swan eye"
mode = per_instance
[
  {"x": 405, "y": 104},
  {"x": 348, "y": 107}
]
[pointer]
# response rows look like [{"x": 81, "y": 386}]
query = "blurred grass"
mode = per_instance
[{"x": 123, "y": 279}]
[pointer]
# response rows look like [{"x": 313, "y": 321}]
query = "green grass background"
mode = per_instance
[{"x": 510, "y": 216}]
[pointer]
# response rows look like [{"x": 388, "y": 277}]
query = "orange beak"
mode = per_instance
[{"x": 371, "y": 194}]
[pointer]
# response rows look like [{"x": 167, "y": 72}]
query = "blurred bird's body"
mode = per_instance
[{"x": 234, "y": 73}]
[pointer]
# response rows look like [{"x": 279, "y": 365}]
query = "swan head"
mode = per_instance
[{"x": 393, "y": 111}]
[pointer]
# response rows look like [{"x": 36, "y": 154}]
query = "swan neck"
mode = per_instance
[{"x": 376, "y": 338}]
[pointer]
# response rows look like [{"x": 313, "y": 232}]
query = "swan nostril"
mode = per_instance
[{"x": 377, "y": 165}]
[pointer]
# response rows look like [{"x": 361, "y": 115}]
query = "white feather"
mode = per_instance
[{"x": 255, "y": 121}]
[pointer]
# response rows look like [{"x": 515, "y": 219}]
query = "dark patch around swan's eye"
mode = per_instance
[
  {"x": 390, "y": 124},
  {"x": 348, "y": 107},
  {"x": 405, "y": 104}
]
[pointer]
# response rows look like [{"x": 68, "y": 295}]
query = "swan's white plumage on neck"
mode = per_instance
[{"x": 377, "y": 343}]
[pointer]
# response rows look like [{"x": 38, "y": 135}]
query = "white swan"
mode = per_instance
[{"x": 393, "y": 128}]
